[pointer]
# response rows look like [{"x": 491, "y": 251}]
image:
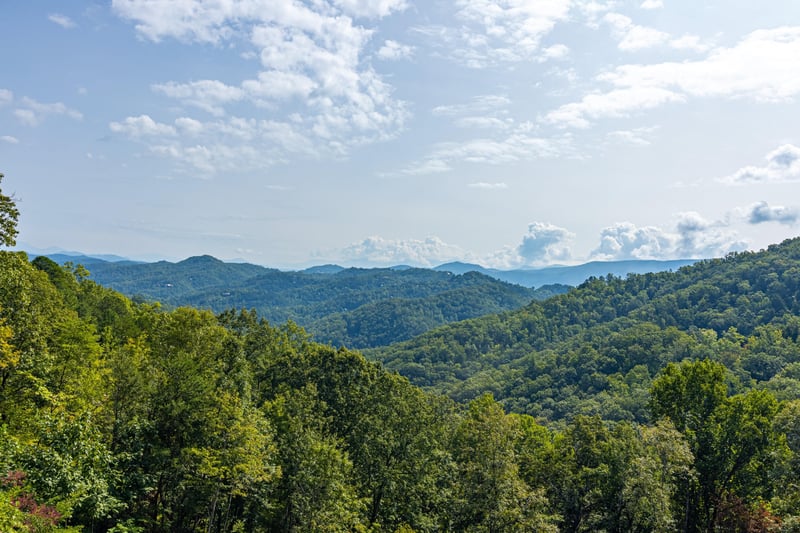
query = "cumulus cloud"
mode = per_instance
[
  {"x": 783, "y": 164},
  {"x": 760, "y": 67},
  {"x": 388, "y": 252},
  {"x": 189, "y": 126},
  {"x": 32, "y": 113},
  {"x": 497, "y": 31},
  {"x": 62, "y": 20},
  {"x": 545, "y": 243},
  {"x": 313, "y": 76},
  {"x": 761, "y": 212},
  {"x": 692, "y": 237},
  {"x": 9, "y": 139},
  {"x": 141, "y": 126},
  {"x": 627, "y": 241},
  {"x": 392, "y": 51},
  {"x": 6, "y": 96}
]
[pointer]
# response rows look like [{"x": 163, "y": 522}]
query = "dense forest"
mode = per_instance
[
  {"x": 122, "y": 416},
  {"x": 354, "y": 307},
  {"x": 596, "y": 349}
]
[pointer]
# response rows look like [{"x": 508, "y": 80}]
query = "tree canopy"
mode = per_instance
[{"x": 9, "y": 214}]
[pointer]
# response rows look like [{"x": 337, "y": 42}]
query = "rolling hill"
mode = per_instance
[
  {"x": 595, "y": 349},
  {"x": 353, "y": 307}
]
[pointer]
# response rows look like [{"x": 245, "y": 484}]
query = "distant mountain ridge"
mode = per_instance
[
  {"x": 569, "y": 275},
  {"x": 355, "y": 307},
  {"x": 572, "y": 275}
]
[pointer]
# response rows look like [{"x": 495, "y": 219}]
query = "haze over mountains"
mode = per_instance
[
  {"x": 527, "y": 277},
  {"x": 354, "y": 307}
]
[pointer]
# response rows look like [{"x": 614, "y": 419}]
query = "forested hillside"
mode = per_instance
[
  {"x": 118, "y": 416},
  {"x": 352, "y": 307},
  {"x": 596, "y": 349}
]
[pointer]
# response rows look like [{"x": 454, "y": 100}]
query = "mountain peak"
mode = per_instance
[{"x": 201, "y": 260}]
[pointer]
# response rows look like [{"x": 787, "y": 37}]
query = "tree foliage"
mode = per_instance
[
  {"x": 9, "y": 215},
  {"x": 122, "y": 416}
]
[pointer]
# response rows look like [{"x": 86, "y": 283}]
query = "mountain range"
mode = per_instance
[{"x": 355, "y": 307}]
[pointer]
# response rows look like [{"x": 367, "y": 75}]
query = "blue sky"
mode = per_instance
[{"x": 375, "y": 132}]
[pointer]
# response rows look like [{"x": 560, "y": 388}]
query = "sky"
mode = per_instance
[{"x": 510, "y": 133}]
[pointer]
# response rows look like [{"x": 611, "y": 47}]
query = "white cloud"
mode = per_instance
[
  {"x": 652, "y": 4},
  {"x": 543, "y": 244},
  {"x": 6, "y": 96},
  {"x": 9, "y": 139},
  {"x": 783, "y": 164},
  {"x": 594, "y": 10},
  {"x": 26, "y": 116},
  {"x": 62, "y": 20},
  {"x": 689, "y": 42},
  {"x": 487, "y": 186},
  {"x": 636, "y": 136},
  {"x": 627, "y": 241},
  {"x": 208, "y": 95},
  {"x": 497, "y": 31},
  {"x": 761, "y": 67},
  {"x": 312, "y": 66},
  {"x": 633, "y": 37},
  {"x": 692, "y": 237},
  {"x": 232, "y": 144},
  {"x": 33, "y": 113},
  {"x": 557, "y": 51},
  {"x": 279, "y": 85},
  {"x": 761, "y": 212},
  {"x": 616, "y": 103},
  {"x": 205, "y": 160},
  {"x": 371, "y": 8},
  {"x": 517, "y": 146},
  {"x": 189, "y": 126},
  {"x": 392, "y": 51},
  {"x": 141, "y": 126},
  {"x": 387, "y": 252}
]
